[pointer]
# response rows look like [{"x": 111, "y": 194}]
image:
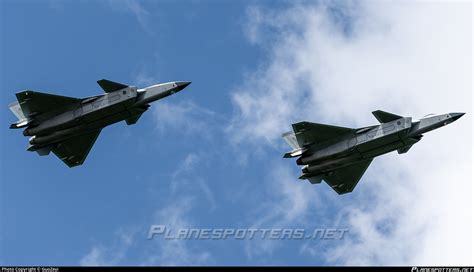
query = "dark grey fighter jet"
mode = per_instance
[
  {"x": 69, "y": 126},
  {"x": 340, "y": 155}
]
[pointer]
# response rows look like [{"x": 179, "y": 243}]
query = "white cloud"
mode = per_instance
[
  {"x": 287, "y": 203},
  {"x": 408, "y": 58},
  {"x": 176, "y": 252}
]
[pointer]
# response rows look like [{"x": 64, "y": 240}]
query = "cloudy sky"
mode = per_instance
[{"x": 211, "y": 156}]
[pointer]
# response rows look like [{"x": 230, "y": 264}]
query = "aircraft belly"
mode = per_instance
[
  {"x": 332, "y": 164},
  {"x": 380, "y": 150},
  {"x": 103, "y": 113},
  {"x": 377, "y": 142},
  {"x": 80, "y": 120},
  {"x": 109, "y": 119}
]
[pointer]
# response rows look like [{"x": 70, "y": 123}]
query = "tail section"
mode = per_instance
[
  {"x": 305, "y": 134},
  {"x": 290, "y": 138},
  {"x": 22, "y": 120}
]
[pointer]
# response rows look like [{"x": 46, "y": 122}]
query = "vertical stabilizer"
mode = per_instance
[
  {"x": 290, "y": 138},
  {"x": 16, "y": 109}
]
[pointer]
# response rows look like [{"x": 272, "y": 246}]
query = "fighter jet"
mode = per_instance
[
  {"x": 341, "y": 155},
  {"x": 69, "y": 126}
]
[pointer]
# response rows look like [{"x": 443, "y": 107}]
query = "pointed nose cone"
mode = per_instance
[
  {"x": 456, "y": 115},
  {"x": 182, "y": 84}
]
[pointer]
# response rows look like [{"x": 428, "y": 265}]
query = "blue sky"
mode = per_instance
[{"x": 207, "y": 157}]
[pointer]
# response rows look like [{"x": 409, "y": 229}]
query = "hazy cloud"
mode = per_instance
[
  {"x": 111, "y": 254},
  {"x": 176, "y": 252},
  {"x": 137, "y": 9},
  {"x": 184, "y": 117},
  {"x": 176, "y": 212}
]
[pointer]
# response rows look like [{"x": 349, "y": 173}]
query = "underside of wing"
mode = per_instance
[
  {"x": 308, "y": 133},
  {"x": 33, "y": 103},
  {"x": 74, "y": 151},
  {"x": 343, "y": 180}
]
